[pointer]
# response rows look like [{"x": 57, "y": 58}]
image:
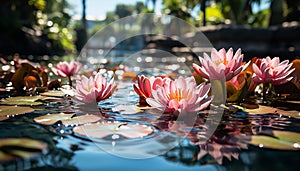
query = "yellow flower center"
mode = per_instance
[
  {"x": 179, "y": 94},
  {"x": 218, "y": 62},
  {"x": 88, "y": 89}
]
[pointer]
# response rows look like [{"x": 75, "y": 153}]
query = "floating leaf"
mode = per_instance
[
  {"x": 23, "y": 101},
  {"x": 293, "y": 102},
  {"x": 288, "y": 136},
  {"x": 145, "y": 107},
  {"x": 55, "y": 84},
  {"x": 43, "y": 76},
  {"x": 54, "y": 93},
  {"x": 66, "y": 119},
  {"x": 101, "y": 130},
  {"x": 83, "y": 119},
  {"x": 30, "y": 81},
  {"x": 18, "y": 77},
  {"x": 51, "y": 119},
  {"x": 6, "y": 111},
  {"x": 52, "y": 99},
  {"x": 231, "y": 90},
  {"x": 280, "y": 140},
  {"x": 15, "y": 148},
  {"x": 267, "y": 109},
  {"x": 126, "y": 109}
]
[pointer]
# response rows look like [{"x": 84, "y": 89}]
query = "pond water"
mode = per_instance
[{"x": 172, "y": 145}]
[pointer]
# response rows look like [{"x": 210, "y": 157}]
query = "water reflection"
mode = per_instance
[
  {"x": 175, "y": 140},
  {"x": 55, "y": 157},
  {"x": 222, "y": 144}
]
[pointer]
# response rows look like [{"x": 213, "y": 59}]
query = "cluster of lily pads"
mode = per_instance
[{"x": 240, "y": 88}]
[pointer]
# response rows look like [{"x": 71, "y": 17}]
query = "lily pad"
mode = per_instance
[
  {"x": 62, "y": 92},
  {"x": 280, "y": 140},
  {"x": 126, "y": 109},
  {"x": 101, "y": 130},
  {"x": 23, "y": 101},
  {"x": 145, "y": 107},
  {"x": 15, "y": 148},
  {"x": 54, "y": 93},
  {"x": 6, "y": 111},
  {"x": 83, "y": 119},
  {"x": 51, "y": 119},
  {"x": 266, "y": 109},
  {"x": 66, "y": 119}
]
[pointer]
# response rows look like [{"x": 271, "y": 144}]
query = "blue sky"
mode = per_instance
[{"x": 98, "y": 8}]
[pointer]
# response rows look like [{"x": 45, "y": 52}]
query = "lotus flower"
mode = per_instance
[
  {"x": 64, "y": 69},
  {"x": 221, "y": 64},
  {"x": 91, "y": 89},
  {"x": 180, "y": 95},
  {"x": 273, "y": 71},
  {"x": 146, "y": 85}
]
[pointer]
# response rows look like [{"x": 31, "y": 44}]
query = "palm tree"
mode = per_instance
[
  {"x": 84, "y": 23},
  {"x": 81, "y": 31},
  {"x": 203, "y": 7}
]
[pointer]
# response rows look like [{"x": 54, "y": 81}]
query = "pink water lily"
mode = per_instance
[
  {"x": 221, "y": 64},
  {"x": 65, "y": 69},
  {"x": 146, "y": 85},
  {"x": 92, "y": 89},
  {"x": 273, "y": 71},
  {"x": 183, "y": 94}
]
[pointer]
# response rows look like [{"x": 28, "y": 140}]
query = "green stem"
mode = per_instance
[
  {"x": 218, "y": 89},
  {"x": 70, "y": 81},
  {"x": 265, "y": 88}
]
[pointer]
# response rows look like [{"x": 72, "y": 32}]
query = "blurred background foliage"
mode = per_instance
[
  {"x": 39, "y": 27},
  {"x": 35, "y": 27}
]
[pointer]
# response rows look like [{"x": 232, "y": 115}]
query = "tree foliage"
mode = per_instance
[
  {"x": 35, "y": 27},
  {"x": 237, "y": 12}
]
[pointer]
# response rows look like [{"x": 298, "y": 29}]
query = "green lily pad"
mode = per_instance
[
  {"x": 287, "y": 136},
  {"x": 24, "y": 148},
  {"x": 66, "y": 119},
  {"x": 51, "y": 119},
  {"x": 101, "y": 130},
  {"x": 54, "y": 93},
  {"x": 126, "y": 109},
  {"x": 23, "y": 101},
  {"x": 83, "y": 119},
  {"x": 280, "y": 140},
  {"x": 266, "y": 109},
  {"x": 7, "y": 111}
]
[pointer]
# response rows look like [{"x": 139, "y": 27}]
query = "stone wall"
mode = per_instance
[{"x": 282, "y": 41}]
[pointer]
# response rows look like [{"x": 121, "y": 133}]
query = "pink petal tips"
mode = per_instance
[
  {"x": 273, "y": 71},
  {"x": 93, "y": 89},
  {"x": 180, "y": 95},
  {"x": 64, "y": 69},
  {"x": 220, "y": 64}
]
